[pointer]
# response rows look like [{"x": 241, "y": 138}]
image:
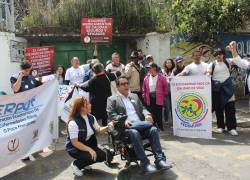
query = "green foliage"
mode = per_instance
[
  {"x": 202, "y": 18},
  {"x": 129, "y": 16}
]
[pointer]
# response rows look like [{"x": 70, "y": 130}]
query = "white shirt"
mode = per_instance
[
  {"x": 244, "y": 64},
  {"x": 112, "y": 68},
  {"x": 75, "y": 75},
  {"x": 152, "y": 83},
  {"x": 131, "y": 113},
  {"x": 221, "y": 72},
  {"x": 196, "y": 69},
  {"x": 74, "y": 129}
]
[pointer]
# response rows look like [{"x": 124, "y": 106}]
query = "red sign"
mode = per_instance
[
  {"x": 96, "y": 30},
  {"x": 42, "y": 59}
]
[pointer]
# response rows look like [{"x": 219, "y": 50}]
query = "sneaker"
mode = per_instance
[
  {"x": 76, "y": 170},
  {"x": 220, "y": 130},
  {"x": 233, "y": 132}
]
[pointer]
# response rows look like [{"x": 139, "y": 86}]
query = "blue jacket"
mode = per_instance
[
  {"x": 82, "y": 134},
  {"x": 227, "y": 91}
]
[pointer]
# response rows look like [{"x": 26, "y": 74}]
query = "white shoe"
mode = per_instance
[
  {"x": 233, "y": 132},
  {"x": 220, "y": 130},
  {"x": 76, "y": 170}
]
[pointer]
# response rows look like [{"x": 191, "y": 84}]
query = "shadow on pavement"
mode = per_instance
[
  {"x": 42, "y": 168},
  {"x": 133, "y": 173}
]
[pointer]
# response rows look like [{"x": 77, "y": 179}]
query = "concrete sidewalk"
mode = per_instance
[{"x": 224, "y": 158}]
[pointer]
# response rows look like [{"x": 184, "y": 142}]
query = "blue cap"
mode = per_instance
[{"x": 179, "y": 59}]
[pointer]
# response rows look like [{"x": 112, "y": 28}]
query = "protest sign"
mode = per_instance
[
  {"x": 96, "y": 30},
  {"x": 42, "y": 59},
  {"x": 191, "y": 106}
]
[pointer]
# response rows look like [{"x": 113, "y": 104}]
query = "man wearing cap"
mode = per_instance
[
  {"x": 242, "y": 63},
  {"x": 24, "y": 81},
  {"x": 223, "y": 99},
  {"x": 180, "y": 65},
  {"x": 196, "y": 68},
  {"x": 133, "y": 73}
]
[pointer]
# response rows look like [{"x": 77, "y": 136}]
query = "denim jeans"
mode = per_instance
[{"x": 136, "y": 137}]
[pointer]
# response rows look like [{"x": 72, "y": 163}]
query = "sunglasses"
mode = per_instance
[{"x": 124, "y": 84}]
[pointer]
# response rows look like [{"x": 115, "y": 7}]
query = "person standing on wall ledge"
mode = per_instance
[{"x": 24, "y": 81}]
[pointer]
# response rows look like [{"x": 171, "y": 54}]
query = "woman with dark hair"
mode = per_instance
[
  {"x": 168, "y": 67},
  {"x": 81, "y": 142},
  {"x": 154, "y": 92},
  {"x": 99, "y": 90},
  {"x": 60, "y": 74}
]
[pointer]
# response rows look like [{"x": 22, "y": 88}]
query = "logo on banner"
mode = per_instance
[
  {"x": 191, "y": 109},
  {"x": 13, "y": 144}
]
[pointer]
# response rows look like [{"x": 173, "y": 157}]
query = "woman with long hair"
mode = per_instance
[
  {"x": 81, "y": 142},
  {"x": 168, "y": 67},
  {"x": 60, "y": 74}
]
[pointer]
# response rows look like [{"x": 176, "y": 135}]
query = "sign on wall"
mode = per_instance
[
  {"x": 17, "y": 51},
  {"x": 96, "y": 30},
  {"x": 42, "y": 59},
  {"x": 191, "y": 106}
]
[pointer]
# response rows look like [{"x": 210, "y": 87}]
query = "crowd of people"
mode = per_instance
[{"x": 141, "y": 91}]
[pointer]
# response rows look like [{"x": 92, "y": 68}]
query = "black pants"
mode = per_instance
[
  {"x": 229, "y": 111},
  {"x": 84, "y": 159},
  {"x": 156, "y": 112}
]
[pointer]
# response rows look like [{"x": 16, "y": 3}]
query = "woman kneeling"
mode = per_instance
[{"x": 81, "y": 142}]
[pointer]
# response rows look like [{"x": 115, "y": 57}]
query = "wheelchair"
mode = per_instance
[{"x": 121, "y": 146}]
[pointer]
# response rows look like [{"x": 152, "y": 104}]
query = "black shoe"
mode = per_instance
[
  {"x": 163, "y": 165},
  {"x": 149, "y": 169},
  {"x": 26, "y": 159}
]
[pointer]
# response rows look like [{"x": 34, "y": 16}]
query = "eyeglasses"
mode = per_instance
[{"x": 124, "y": 84}]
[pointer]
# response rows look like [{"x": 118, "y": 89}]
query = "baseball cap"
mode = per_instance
[
  {"x": 218, "y": 51},
  {"x": 134, "y": 54},
  {"x": 178, "y": 59},
  {"x": 149, "y": 56}
]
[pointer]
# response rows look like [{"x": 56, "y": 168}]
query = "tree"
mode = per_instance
[{"x": 201, "y": 19}]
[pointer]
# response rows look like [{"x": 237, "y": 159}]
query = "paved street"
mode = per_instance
[{"x": 223, "y": 157}]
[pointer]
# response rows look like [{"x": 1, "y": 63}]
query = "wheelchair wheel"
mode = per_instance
[{"x": 124, "y": 174}]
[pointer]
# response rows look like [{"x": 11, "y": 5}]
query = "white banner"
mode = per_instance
[
  {"x": 191, "y": 106},
  {"x": 27, "y": 122},
  {"x": 63, "y": 93}
]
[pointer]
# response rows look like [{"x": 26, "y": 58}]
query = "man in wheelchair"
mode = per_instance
[{"x": 139, "y": 123}]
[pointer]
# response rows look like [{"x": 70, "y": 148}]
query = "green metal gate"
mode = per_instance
[{"x": 64, "y": 51}]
